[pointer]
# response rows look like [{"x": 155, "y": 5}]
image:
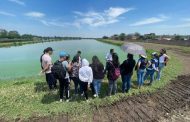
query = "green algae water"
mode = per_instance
[{"x": 24, "y": 61}]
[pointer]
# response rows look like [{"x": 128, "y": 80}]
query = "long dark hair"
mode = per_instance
[
  {"x": 95, "y": 60},
  {"x": 42, "y": 56},
  {"x": 130, "y": 56},
  {"x": 115, "y": 60},
  {"x": 96, "y": 63}
]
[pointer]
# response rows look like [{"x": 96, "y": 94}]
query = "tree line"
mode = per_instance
[{"x": 150, "y": 36}]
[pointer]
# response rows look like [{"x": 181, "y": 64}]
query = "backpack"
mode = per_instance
[
  {"x": 58, "y": 70},
  {"x": 143, "y": 64},
  {"x": 116, "y": 73}
]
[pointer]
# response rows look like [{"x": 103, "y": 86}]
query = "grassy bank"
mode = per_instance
[
  {"x": 29, "y": 97},
  {"x": 20, "y": 43}
]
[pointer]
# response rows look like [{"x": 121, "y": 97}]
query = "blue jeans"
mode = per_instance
[
  {"x": 161, "y": 66},
  {"x": 140, "y": 77},
  {"x": 112, "y": 87},
  {"x": 126, "y": 82},
  {"x": 149, "y": 73},
  {"x": 97, "y": 85}
]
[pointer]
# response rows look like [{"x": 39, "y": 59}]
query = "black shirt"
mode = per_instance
[
  {"x": 98, "y": 71},
  {"x": 127, "y": 66}
]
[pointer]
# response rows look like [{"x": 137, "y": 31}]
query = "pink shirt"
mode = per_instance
[{"x": 46, "y": 60}]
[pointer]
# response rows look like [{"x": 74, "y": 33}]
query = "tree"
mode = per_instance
[
  {"x": 115, "y": 37},
  {"x": 137, "y": 35},
  {"x": 13, "y": 34},
  {"x": 122, "y": 36},
  {"x": 178, "y": 37},
  {"x": 3, "y": 33},
  {"x": 105, "y": 37}
]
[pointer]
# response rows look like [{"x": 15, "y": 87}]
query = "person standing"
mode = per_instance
[
  {"x": 46, "y": 65},
  {"x": 163, "y": 60},
  {"x": 152, "y": 67},
  {"x": 75, "y": 75},
  {"x": 141, "y": 66},
  {"x": 59, "y": 73},
  {"x": 113, "y": 73},
  {"x": 126, "y": 72},
  {"x": 78, "y": 55},
  {"x": 86, "y": 77},
  {"x": 66, "y": 80},
  {"x": 109, "y": 55},
  {"x": 98, "y": 74}
]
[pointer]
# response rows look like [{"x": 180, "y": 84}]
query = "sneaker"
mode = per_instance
[
  {"x": 67, "y": 100},
  {"x": 61, "y": 100},
  {"x": 87, "y": 101},
  {"x": 95, "y": 95}
]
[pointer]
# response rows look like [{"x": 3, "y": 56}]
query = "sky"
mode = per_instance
[{"x": 95, "y": 18}]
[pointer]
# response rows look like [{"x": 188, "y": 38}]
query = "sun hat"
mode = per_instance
[
  {"x": 154, "y": 53},
  {"x": 144, "y": 56}
]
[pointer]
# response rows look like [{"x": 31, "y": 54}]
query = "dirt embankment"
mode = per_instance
[{"x": 148, "y": 107}]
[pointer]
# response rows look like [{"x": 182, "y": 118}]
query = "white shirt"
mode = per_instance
[
  {"x": 85, "y": 72},
  {"x": 108, "y": 57},
  {"x": 162, "y": 58},
  {"x": 46, "y": 60}
]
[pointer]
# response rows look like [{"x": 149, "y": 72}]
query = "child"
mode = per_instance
[{"x": 86, "y": 77}]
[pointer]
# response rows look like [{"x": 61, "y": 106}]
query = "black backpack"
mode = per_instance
[{"x": 58, "y": 70}]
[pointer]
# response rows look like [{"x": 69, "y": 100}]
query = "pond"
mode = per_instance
[{"x": 23, "y": 61}]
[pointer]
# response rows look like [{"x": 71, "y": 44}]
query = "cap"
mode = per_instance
[{"x": 63, "y": 54}]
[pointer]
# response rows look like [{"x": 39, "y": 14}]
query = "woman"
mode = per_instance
[
  {"x": 152, "y": 67},
  {"x": 126, "y": 72},
  {"x": 98, "y": 74},
  {"x": 141, "y": 66},
  {"x": 113, "y": 73},
  {"x": 86, "y": 77},
  {"x": 163, "y": 60},
  {"x": 75, "y": 74}
]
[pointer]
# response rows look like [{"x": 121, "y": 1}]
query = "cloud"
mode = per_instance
[
  {"x": 53, "y": 23},
  {"x": 6, "y": 13},
  {"x": 151, "y": 20},
  {"x": 35, "y": 14},
  {"x": 94, "y": 19},
  {"x": 20, "y": 2}
]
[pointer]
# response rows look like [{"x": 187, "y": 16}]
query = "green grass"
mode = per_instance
[{"x": 27, "y": 97}]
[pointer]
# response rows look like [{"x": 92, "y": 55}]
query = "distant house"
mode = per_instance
[{"x": 167, "y": 38}]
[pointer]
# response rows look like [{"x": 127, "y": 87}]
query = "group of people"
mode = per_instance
[{"x": 85, "y": 75}]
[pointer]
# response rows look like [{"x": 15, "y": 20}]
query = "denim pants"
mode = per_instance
[
  {"x": 149, "y": 73},
  {"x": 140, "y": 77},
  {"x": 97, "y": 85},
  {"x": 112, "y": 87},
  {"x": 84, "y": 87},
  {"x": 64, "y": 87},
  {"x": 160, "y": 68},
  {"x": 126, "y": 82},
  {"x": 51, "y": 81},
  {"x": 76, "y": 84}
]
